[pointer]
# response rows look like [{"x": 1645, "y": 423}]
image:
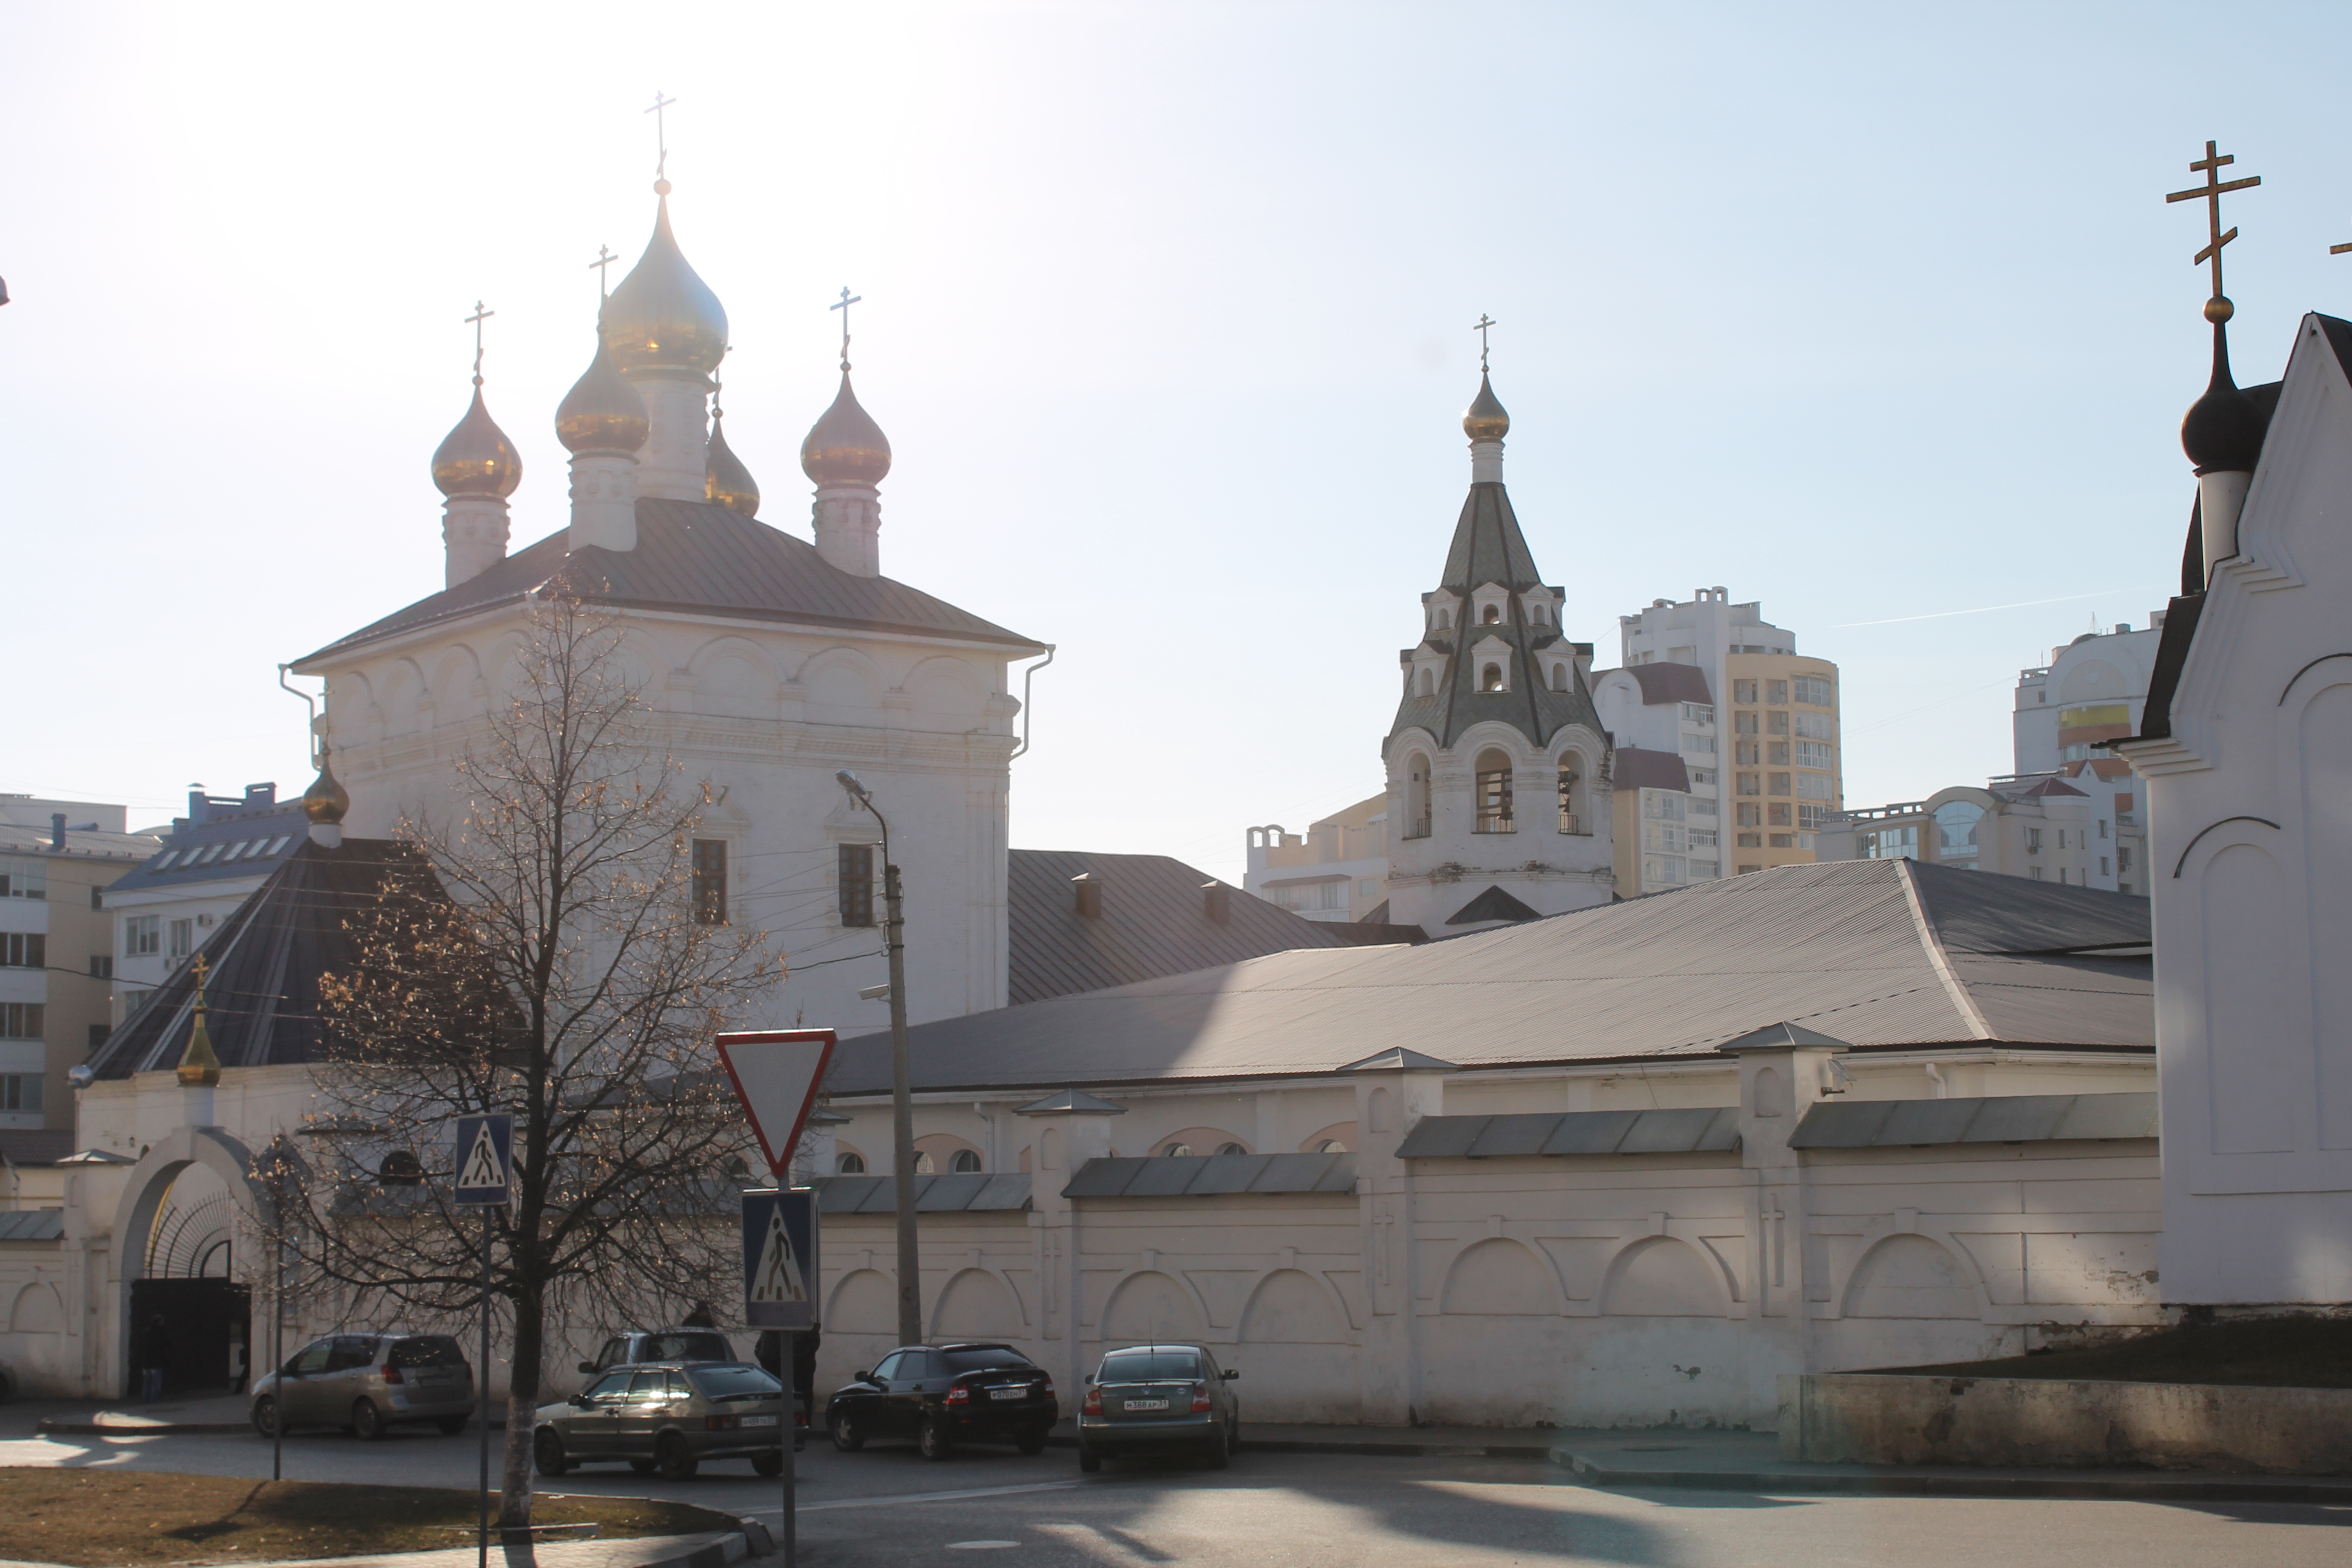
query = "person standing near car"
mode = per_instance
[{"x": 154, "y": 1349}]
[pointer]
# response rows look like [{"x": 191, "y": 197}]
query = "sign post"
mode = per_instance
[
  {"x": 485, "y": 1146},
  {"x": 776, "y": 1074}
]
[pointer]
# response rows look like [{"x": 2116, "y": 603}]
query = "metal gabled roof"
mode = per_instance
[
  {"x": 1683, "y": 1131},
  {"x": 1210, "y": 1176},
  {"x": 1985, "y": 1118},
  {"x": 694, "y": 557}
]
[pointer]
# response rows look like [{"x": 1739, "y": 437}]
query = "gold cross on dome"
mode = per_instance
[
  {"x": 661, "y": 133},
  {"x": 1484, "y": 323},
  {"x": 604, "y": 259},
  {"x": 475, "y": 322},
  {"x": 841, "y": 305},
  {"x": 2212, "y": 191},
  {"x": 199, "y": 967}
]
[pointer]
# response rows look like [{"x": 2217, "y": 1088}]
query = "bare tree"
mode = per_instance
[{"x": 551, "y": 954}]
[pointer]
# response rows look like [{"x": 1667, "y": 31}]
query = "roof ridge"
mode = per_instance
[{"x": 1932, "y": 940}]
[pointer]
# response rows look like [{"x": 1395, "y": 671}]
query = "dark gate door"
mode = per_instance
[{"x": 205, "y": 1326}]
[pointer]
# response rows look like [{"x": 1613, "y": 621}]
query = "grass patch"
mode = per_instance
[
  {"x": 2258, "y": 1353},
  {"x": 118, "y": 1518}
]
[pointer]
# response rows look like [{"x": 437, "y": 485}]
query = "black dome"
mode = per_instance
[{"x": 2222, "y": 433}]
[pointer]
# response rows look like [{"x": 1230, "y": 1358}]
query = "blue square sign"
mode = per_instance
[
  {"x": 780, "y": 1268},
  {"x": 485, "y": 1148}
]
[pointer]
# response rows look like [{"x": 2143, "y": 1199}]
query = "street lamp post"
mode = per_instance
[{"x": 902, "y": 1104}]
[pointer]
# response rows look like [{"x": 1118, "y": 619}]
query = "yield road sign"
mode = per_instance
[
  {"x": 776, "y": 1074},
  {"x": 485, "y": 1147},
  {"x": 780, "y": 1265}
]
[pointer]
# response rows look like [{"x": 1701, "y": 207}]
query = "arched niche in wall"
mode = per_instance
[
  {"x": 1291, "y": 1307},
  {"x": 1909, "y": 1276},
  {"x": 976, "y": 1305},
  {"x": 1152, "y": 1305},
  {"x": 865, "y": 1302},
  {"x": 1664, "y": 1278},
  {"x": 1499, "y": 1277}
]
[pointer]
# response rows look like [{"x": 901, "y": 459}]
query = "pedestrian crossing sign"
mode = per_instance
[
  {"x": 779, "y": 1270},
  {"x": 485, "y": 1151}
]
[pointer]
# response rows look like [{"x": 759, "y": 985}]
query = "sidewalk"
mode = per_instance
[
  {"x": 713, "y": 1551},
  {"x": 214, "y": 1415}
]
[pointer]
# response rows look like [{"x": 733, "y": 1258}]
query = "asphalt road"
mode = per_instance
[{"x": 887, "y": 1506}]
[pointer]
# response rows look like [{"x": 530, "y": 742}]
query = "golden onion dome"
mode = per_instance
[
  {"x": 475, "y": 458},
  {"x": 725, "y": 479},
  {"x": 846, "y": 446},
  {"x": 1485, "y": 419},
  {"x": 602, "y": 413},
  {"x": 326, "y": 800},
  {"x": 664, "y": 316}
]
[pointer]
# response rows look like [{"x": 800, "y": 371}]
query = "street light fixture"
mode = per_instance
[{"x": 902, "y": 1104}]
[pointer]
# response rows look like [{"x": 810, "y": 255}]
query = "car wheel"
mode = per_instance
[
  {"x": 547, "y": 1452},
  {"x": 451, "y": 1424},
  {"x": 769, "y": 1464},
  {"x": 643, "y": 1467},
  {"x": 1089, "y": 1458},
  {"x": 674, "y": 1459},
  {"x": 933, "y": 1440},
  {"x": 848, "y": 1436},
  {"x": 265, "y": 1417},
  {"x": 1031, "y": 1442},
  {"x": 1234, "y": 1438},
  {"x": 367, "y": 1421},
  {"x": 1217, "y": 1454}
]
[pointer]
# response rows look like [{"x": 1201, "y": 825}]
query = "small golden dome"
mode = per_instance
[
  {"x": 326, "y": 800},
  {"x": 846, "y": 446},
  {"x": 1485, "y": 419},
  {"x": 664, "y": 316},
  {"x": 725, "y": 479},
  {"x": 602, "y": 413},
  {"x": 475, "y": 458}
]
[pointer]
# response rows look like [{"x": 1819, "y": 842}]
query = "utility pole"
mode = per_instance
[{"x": 902, "y": 1103}]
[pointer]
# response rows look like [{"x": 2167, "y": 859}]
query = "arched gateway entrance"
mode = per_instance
[{"x": 189, "y": 1206}]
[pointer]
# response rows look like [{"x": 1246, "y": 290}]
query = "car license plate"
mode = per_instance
[
  {"x": 1146, "y": 1405},
  {"x": 759, "y": 1421},
  {"x": 1008, "y": 1394}
]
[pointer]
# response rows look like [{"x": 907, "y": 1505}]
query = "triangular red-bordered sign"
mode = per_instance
[{"x": 776, "y": 1074}]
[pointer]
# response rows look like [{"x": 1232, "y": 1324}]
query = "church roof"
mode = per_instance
[
  {"x": 1154, "y": 921},
  {"x": 1890, "y": 954},
  {"x": 1489, "y": 548},
  {"x": 695, "y": 556},
  {"x": 264, "y": 962}
]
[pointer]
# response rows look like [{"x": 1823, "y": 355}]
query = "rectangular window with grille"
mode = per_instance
[
  {"x": 1776, "y": 751},
  {"x": 1780, "y": 785},
  {"x": 1776, "y": 814},
  {"x": 1776, "y": 693},
  {"x": 23, "y": 1020},
  {"x": 184, "y": 937},
  {"x": 142, "y": 936},
  {"x": 710, "y": 881},
  {"x": 1743, "y": 691},
  {"x": 854, "y": 866},
  {"x": 1749, "y": 785},
  {"x": 24, "y": 949},
  {"x": 1812, "y": 753}
]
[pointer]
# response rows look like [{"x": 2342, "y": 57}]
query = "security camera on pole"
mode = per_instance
[{"x": 902, "y": 1104}]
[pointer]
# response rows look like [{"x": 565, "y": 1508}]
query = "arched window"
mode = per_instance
[
  {"x": 923, "y": 1164},
  {"x": 1494, "y": 615},
  {"x": 966, "y": 1162},
  {"x": 1416, "y": 797},
  {"x": 1493, "y": 793},
  {"x": 1571, "y": 795},
  {"x": 1177, "y": 1150},
  {"x": 1445, "y": 619},
  {"x": 1231, "y": 1149},
  {"x": 851, "y": 1164},
  {"x": 400, "y": 1169},
  {"x": 1490, "y": 678},
  {"x": 1332, "y": 1146},
  {"x": 1559, "y": 677},
  {"x": 1536, "y": 614},
  {"x": 1428, "y": 681}
]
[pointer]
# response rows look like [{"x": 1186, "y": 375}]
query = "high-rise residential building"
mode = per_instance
[
  {"x": 57, "y": 952},
  {"x": 1775, "y": 714},
  {"x": 1665, "y": 775},
  {"x": 2093, "y": 688},
  {"x": 1337, "y": 870}
]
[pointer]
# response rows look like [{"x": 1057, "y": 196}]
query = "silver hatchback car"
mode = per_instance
[
  {"x": 668, "y": 1417},
  {"x": 369, "y": 1383}
]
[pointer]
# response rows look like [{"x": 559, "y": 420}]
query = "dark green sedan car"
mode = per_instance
[{"x": 1159, "y": 1398}]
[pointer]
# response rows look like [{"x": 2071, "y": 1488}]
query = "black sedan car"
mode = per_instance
[{"x": 942, "y": 1395}]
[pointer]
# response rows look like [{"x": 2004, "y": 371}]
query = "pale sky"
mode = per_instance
[{"x": 1863, "y": 311}]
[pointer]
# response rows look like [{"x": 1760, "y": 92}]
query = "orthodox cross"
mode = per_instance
[
  {"x": 200, "y": 982},
  {"x": 1481, "y": 330},
  {"x": 2213, "y": 190},
  {"x": 475, "y": 322},
  {"x": 841, "y": 305},
  {"x": 661, "y": 133},
  {"x": 604, "y": 258}
]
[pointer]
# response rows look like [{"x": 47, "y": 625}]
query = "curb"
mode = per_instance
[
  {"x": 1379, "y": 1448},
  {"x": 1898, "y": 1484}
]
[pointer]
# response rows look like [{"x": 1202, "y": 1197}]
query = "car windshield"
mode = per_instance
[
  {"x": 1149, "y": 1366},
  {"x": 686, "y": 1347},
  {"x": 426, "y": 1350},
  {"x": 733, "y": 1381},
  {"x": 985, "y": 1358}
]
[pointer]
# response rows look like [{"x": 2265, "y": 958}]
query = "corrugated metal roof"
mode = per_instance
[
  {"x": 1683, "y": 1130},
  {"x": 695, "y": 556},
  {"x": 32, "y": 1225},
  {"x": 955, "y": 1193},
  {"x": 1832, "y": 947},
  {"x": 1210, "y": 1176},
  {"x": 234, "y": 843},
  {"x": 1154, "y": 922},
  {"x": 1996, "y": 1118}
]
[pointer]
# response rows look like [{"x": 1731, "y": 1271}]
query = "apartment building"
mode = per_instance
[
  {"x": 2076, "y": 827},
  {"x": 1667, "y": 788},
  {"x": 208, "y": 863},
  {"x": 1776, "y": 714},
  {"x": 2093, "y": 689},
  {"x": 56, "y": 950},
  {"x": 1337, "y": 870}
]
